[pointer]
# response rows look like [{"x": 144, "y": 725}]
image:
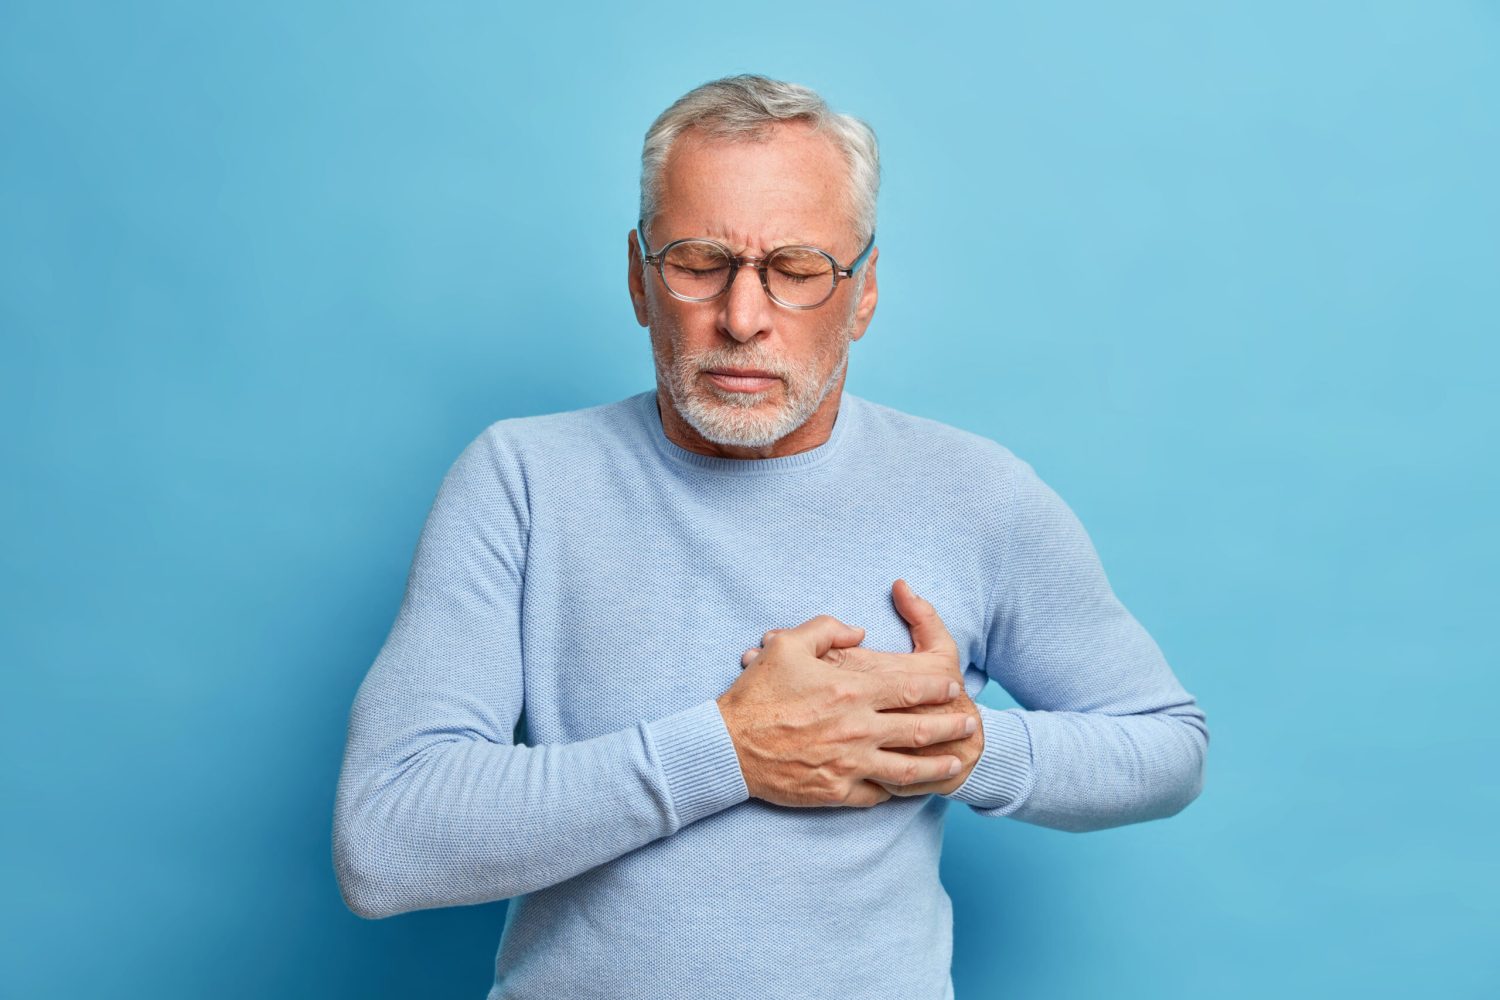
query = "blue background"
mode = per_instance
[{"x": 1226, "y": 275}]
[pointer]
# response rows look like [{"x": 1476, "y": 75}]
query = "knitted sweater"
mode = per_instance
[{"x": 540, "y": 724}]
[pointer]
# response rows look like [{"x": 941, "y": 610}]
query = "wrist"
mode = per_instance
[{"x": 727, "y": 705}]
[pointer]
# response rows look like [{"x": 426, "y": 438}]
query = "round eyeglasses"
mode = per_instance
[{"x": 798, "y": 277}]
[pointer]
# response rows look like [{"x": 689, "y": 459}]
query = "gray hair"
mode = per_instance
[{"x": 747, "y": 107}]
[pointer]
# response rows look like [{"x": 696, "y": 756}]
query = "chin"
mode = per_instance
[
  {"x": 712, "y": 395},
  {"x": 743, "y": 422}
]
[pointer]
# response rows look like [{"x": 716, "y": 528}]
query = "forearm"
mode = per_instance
[
  {"x": 464, "y": 820},
  {"x": 436, "y": 805},
  {"x": 1081, "y": 771},
  {"x": 1105, "y": 734}
]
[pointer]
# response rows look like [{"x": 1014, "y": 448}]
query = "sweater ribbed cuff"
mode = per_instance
[
  {"x": 1002, "y": 774},
  {"x": 699, "y": 760}
]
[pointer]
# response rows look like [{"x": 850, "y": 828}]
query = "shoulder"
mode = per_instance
[
  {"x": 909, "y": 438},
  {"x": 566, "y": 430},
  {"x": 502, "y": 460},
  {"x": 964, "y": 470},
  {"x": 525, "y": 445},
  {"x": 956, "y": 475}
]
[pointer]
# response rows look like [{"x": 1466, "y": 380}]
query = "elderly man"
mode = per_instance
[{"x": 741, "y": 618}]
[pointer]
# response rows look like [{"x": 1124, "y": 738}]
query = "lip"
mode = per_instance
[
  {"x": 742, "y": 379},
  {"x": 742, "y": 372}
]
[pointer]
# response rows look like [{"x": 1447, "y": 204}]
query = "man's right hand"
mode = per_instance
[{"x": 811, "y": 734}]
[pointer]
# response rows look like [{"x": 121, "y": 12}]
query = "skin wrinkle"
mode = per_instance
[{"x": 790, "y": 189}]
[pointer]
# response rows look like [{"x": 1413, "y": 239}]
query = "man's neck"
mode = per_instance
[{"x": 815, "y": 431}]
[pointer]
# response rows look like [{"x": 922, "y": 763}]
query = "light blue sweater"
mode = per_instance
[{"x": 582, "y": 569}]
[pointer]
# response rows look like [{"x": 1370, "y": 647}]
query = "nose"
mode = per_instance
[{"x": 745, "y": 309}]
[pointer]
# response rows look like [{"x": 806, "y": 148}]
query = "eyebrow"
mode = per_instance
[{"x": 738, "y": 248}]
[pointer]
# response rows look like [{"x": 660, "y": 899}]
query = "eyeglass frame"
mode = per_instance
[{"x": 735, "y": 262}]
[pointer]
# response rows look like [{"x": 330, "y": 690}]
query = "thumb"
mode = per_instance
[{"x": 928, "y": 632}]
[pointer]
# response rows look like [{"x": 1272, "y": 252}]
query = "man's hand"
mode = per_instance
[
  {"x": 933, "y": 652},
  {"x": 810, "y": 734}
]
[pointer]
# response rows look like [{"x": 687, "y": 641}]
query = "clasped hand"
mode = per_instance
[{"x": 818, "y": 720}]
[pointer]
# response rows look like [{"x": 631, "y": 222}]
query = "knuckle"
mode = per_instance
[
  {"x": 844, "y": 693},
  {"x": 833, "y": 793},
  {"x": 851, "y": 731},
  {"x": 852, "y": 658},
  {"x": 842, "y": 733},
  {"x": 921, "y": 731},
  {"x": 909, "y": 772}
]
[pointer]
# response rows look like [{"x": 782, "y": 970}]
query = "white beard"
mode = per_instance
[{"x": 740, "y": 418}]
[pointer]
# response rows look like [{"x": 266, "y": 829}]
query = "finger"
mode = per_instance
[
  {"x": 900, "y": 729},
  {"x": 928, "y": 633},
  {"x": 901, "y": 790},
  {"x": 873, "y": 660},
  {"x": 748, "y": 656},
  {"x": 922, "y": 788},
  {"x": 900, "y": 689},
  {"x": 818, "y": 635},
  {"x": 868, "y": 793},
  {"x": 852, "y": 638},
  {"x": 851, "y": 658},
  {"x": 900, "y": 769},
  {"x": 868, "y": 661}
]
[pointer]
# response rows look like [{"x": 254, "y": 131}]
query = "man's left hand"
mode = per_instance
[{"x": 933, "y": 651}]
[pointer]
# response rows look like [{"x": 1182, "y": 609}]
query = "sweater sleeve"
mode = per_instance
[
  {"x": 435, "y": 804},
  {"x": 1105, "y": 734}
]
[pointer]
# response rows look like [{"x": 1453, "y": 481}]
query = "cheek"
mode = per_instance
[
  {"x": 669, "y": 341},
  {"x": 829, "y": 338},
  {"x": 662, "y": 345},
  {"x": 681, "y": 333}
]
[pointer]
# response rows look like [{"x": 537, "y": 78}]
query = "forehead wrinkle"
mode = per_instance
[{"x": 739, "y": 241}]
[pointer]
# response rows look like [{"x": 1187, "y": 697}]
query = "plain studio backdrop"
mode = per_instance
[{"x": 1226, "y": 275}]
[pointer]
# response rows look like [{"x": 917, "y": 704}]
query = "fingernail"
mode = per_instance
[
  {"x": 955, "y": 767},
  {"x": 970, "y": 724},
  {"x": 953, "y": 689}
]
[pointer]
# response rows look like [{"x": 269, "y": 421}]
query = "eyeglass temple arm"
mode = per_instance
[
  {"x": 640, "y": 229},
  {"x": 854, "y": 265}
]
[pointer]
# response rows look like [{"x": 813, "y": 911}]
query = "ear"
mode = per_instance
[
  {"x": 864, "y": 309},
  {"x": 638, "y": 281}
]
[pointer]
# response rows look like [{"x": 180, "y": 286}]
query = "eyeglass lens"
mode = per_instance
[{"x": 700, "y": 270}]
